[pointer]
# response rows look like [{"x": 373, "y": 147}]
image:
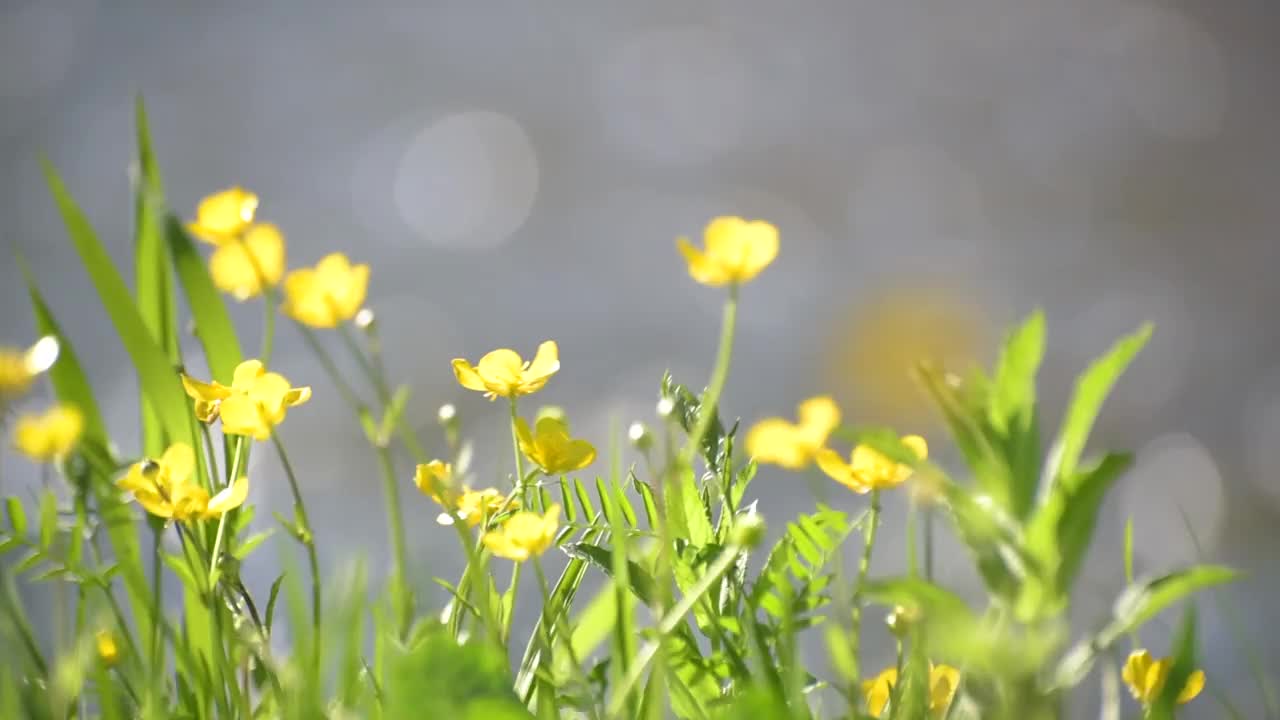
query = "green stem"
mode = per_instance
[
  {"x": 222, "y": 519},
  {"x": 399, "y": 546},
  {"x": 669, "y": 622},
  {"x": 864, "y": 565},
  {"x": 268, "y": 326},
  {"x": 515, "y": 446},
  {"x": 335, "y": 376},
  {"x": 309, "y": 542},
  {"x": 378, "y": 379},
  {"x": 514, "y": 589},
  {"x": 719, "y": 374}
]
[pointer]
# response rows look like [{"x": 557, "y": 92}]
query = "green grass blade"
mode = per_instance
[
  {"x": 1092, "y": 388},
  {"x": 70, "y": 384},
  {"x": 1011, "y": 409},
  {"x": 208, "y": 311},
  {"x": 1184, "y": 663},
  {"x": 156, "y": 376}
]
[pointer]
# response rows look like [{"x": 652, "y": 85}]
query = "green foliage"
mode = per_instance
[{"x": 660, "y": 608}]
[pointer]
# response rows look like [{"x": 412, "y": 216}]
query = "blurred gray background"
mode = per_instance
[{"x": 518, "y": 171}]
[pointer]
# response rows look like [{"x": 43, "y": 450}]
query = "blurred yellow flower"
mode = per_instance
[
  {"x": 19, "y": 367},
  {"x": 551, "y": 448},
  {"x": 943, "y": 682},
  {"x": 436, "y": 480},
  {"x": 108, "y": 650},
  {"x": 49, "y": 435},
  {"x": 328, "y": 294},
  {"x": 524, "y": 535},
  {"x": 224, "y": 215},
  {"x": 503, "y": 372},
  {"x": 867, "y": 468},
  {"x": 243, "y": 267},
  {"x": 792, "y": 445},
  {"x": 476, "y": 505},
  {"x": 736, "y": 250},
  {"x": 1146, "y": 677},
  {"x": 256, "y": 401},
  {"x": 165, "y": 487}
]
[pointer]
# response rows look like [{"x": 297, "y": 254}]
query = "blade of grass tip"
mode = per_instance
[
  {"x": 156, "y": 376},
  {"x": 1227, "y": 610},
  {"x": 213, "y": 326}
]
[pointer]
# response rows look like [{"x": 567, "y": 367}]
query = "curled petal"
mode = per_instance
[
  {"x": 545, "y": 363},
  {"x": 467, "y": 375},
  {"x": 229, "y": 498},
  {"x": 297, "y": 396}
]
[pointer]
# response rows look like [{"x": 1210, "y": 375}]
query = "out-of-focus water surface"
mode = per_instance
[{"x": 518, "y": 171}]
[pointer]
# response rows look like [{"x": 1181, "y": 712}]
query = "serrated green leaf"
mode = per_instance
[
  {"x": 696, "y": 515},
  {"x": 156, "y": 376},
  {"x": 1091, "y": 390},
  {"x": 208, "y": 310},
  {"x": 17, "y": 515}
]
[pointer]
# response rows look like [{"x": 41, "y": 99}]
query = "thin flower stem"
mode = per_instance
[
  {"x": 520, "y": 487},
  {"x": 375, "y": 377},
  {"x": 399, "y": 546},
  {"x": 222, "y": 519},
  {"x": 344, "y": 389},
  {"x": 864, "y": 565},
  {"x": 308, "y": 541},
  {"x": 268, "y": 326},
  {"x": 515, "y": 446},
  {"x": 719, "y": 374}
]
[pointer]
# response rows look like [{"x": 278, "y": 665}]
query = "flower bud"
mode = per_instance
[
  {"x": 364, "y": 319},
  {"x": 640, "y": 436},
  {"x": 108, "y": 650},
  {"x": 447, "y": 414},
  {"x": 665, "y": 407},
  {"x": 748, "y": 530},
  {"x": 549, "y": 411},
  {"x": 901, "y": 620}
]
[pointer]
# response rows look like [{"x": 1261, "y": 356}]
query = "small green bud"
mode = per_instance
[
  {"x": 748, "y": 530},
  {"x": 640, "y": 436}
]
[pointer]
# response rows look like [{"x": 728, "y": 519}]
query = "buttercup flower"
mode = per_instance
[
  {"x": 524, "y": 535},
  {"x": 241, "y": 268},
  {"x": 328, "y": 294},
  {"x": 868, "y": 469},
  {"x": 223, "y": 216},
  {"x": 736, "y": 251},
  {"x": 943, "y": 681},
  {"x": 503, "y": 372},
  {"x": 108, "y": 650},
  {"x": 49, "y": 435},
  {"x": 256, "y": 401},
  {"x": 793, "y": 445},
  {"x": 435, "y": 480},
  {"x": 1146, "y": 677},
  {"x": 19, "y": 367},
  {"x": 165, "y": 487},
  {"x": 550, "y": 446},
  {"x": 475, "y": 505}
]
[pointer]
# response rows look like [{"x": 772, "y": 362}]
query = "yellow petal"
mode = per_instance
[
  {"x": 830, "y": 462},
  {"x": 878, "y": 690},
  {"x": 1195, "y": 683},
  {"x": 741, "y": 248},
  {"x": 525, "y": 439},
  {"x": 1134, "y": 672},
  {"x": 776, "y": 441},
  {"x": 242, "y": 416},
  {"x": 246, "y": 374},
  {"x": 178, "y": 463},
  {"x": 153, "y": 503},
  {"x": 917, "y": 445},
  {"x": 577, "y": 455},
  {"x": 501, "y": 371},
  {"x": 209, "y": 392},
  {"x": 139, "y": 478},
  {"x": 819, "y": 415},
  {"x": 544, "y": 364},
  {"x": 222, "y": 216},
  {"x": 701, "y": 268},
  {"x": 467, "y": 375},
  {"x": 229, "y": 498},
  {"x": 943, "y": 681},
  {"x": 297, "y": 396}
]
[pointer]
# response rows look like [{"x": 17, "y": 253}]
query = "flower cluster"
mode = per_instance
[{"x": 436, "y": 480}]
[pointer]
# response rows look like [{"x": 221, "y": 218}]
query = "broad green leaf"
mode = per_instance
[
  {"x": 156, "y": 376},
  {"x": 70, "y": 383},
  {"x": 1061, "y": 529},
  {"x": 152, "y": 277},
  {"x": 1184, "y": 663},
  {"x": 251, "y": 543},
  {"x": 17, "y": 515},
  {"x": 593, "y": 624},
  {"x": 966, "y": 418},
  {"x": 48, "y": 519},
  {"x": 993, "y": 538},
  {"x": 1137, "y": 604},
  {"x": 1011, "y": 410},
  {"x": 208, "y": 311},
  {"x": 1092, "y": 388},
  {"x": 928, "y": 602}
]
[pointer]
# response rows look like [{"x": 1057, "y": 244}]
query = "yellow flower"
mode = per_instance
[
  {"x": 503, "y": 372},
  {"x": 474, "y": 506},
  {"x": 736, "y": 251},
  {"x": 435, "y": 479},
  {"x": 793, "y": 445},
  {"x": 328, "y": 294},
  {"x": 19, "y": 367},
  {"x": 108, "y": 650},
  {"x": 943, "y": 681},
  {"x": 165, "y": 487},
  {"x": 49, "y": 435},
  {"x": 524, "y": 535},
  {"x": 223, "y": 216},
  {"x": 256, "y": 401},
  {"x": 241, "y": 268},
  {"x": 1146, "y": 677},
  {"x": 551, "y": 447},
  {"x": 867, "y": 468}
]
